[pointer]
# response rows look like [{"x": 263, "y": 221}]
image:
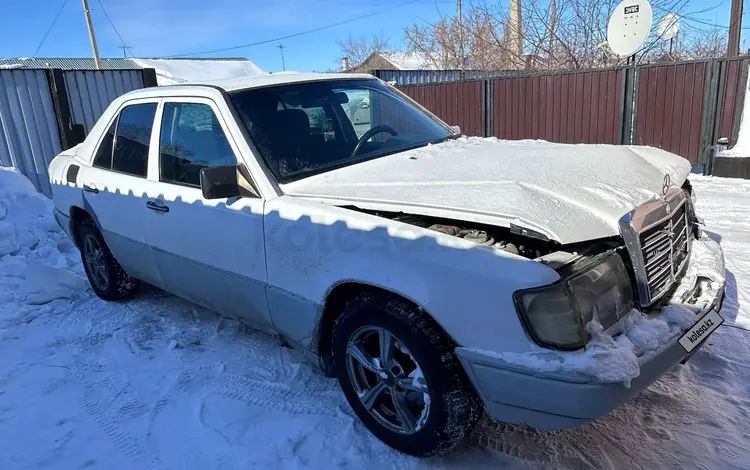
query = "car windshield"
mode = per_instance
[{"x": 309, "y": 128}]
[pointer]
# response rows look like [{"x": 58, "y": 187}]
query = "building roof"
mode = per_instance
[
  {"x": 408, "y": 60},
  {"x": 87, "y": 63},
  {"x": 173, "y": 72},
  {"x": 69, "y": 63}
]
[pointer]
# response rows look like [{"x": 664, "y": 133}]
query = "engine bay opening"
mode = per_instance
[{"x": 501, "y": 238}]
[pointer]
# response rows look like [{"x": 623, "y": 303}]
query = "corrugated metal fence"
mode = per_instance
[
  {"x": 39, "y": 110},
  {"x": 91, "y": 91},
  {"x": 28, "y": 127},
  {"x": 421, "y": 77},
  {"x": 682, "y": 107},
  {"x": 460, "y": 104},
  {"x": 570, "y": 108}
]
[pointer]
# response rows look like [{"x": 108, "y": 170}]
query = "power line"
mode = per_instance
[
  {"x": 314, "y": 30},
  {"x": 125, "y": 48},
  {"x": 50, "y": 28}
]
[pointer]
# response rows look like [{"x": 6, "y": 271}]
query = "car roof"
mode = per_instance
[{"x": 281, "y": 78}]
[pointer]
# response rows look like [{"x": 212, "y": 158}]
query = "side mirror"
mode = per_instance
[
  {"x": 226, "y": 181},
  {"x": 457, "y": 129}
]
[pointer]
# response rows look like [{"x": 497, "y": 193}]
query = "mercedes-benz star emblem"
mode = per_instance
[{"x": 665, "y": 186}]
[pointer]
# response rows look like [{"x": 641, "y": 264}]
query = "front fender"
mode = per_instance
[{"x": 311, "y": 247}]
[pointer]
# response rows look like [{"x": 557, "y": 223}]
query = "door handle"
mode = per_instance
[
  {"x": 156, "y": 207},
  {"x": 90, "y": 188}
]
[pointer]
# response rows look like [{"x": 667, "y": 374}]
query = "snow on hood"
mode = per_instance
[{"x": 570, "y": 193}]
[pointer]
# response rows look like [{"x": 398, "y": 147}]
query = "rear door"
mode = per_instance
[
  {"x": 116, "y": 187},
  {"x": 211, "y": 252}
]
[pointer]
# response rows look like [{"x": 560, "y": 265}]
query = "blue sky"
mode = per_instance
[{"x": 168, "y": 27}]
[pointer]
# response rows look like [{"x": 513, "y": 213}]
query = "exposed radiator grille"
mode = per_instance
[
  {"x": 657, "y": 235},
  {"x": 665, "y": 248}
]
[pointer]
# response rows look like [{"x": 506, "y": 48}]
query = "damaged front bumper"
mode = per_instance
[{"x": 514, "y": 393}]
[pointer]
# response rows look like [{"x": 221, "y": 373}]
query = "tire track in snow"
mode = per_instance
[
  {"x": 189, "y": 383},
  {"x": 274, "y": 396},
  {"x": 109, "y": 401}
]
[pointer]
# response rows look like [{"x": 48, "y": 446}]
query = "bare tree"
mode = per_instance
[
  {"x": 359, "y": 49},
  {"x": 564, "y": 34}
]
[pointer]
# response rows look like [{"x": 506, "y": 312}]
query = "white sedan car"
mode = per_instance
[{"x": 435, "y": 276}]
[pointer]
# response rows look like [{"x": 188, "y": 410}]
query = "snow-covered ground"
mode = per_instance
[{"x": 157, "y": 382}]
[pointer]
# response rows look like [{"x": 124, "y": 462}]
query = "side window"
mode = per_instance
[
  {"x": 103, "y": 158},
  {"x": 191, "y": 139},
  {"x": 131, "y": 142}
]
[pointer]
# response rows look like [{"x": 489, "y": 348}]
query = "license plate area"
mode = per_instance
[{"x": 700, "y": 330}]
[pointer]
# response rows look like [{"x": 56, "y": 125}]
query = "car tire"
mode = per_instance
[
  {"x": 453, "y": 407},
  {"x": 107, "y": 278}
]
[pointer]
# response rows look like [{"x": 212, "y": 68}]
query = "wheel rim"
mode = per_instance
[
  {"x": 96, "y": 266},
  {"x": 388, "y": 380}
]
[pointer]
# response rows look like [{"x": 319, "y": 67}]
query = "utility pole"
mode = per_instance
[
  {"x": 125, "y": 50},
  {"x": 90, "y": 25},
  {"x": 735, "y": 28},
  {"x": 281, "y": 48}
]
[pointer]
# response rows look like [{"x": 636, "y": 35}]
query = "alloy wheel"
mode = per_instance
[
  {"x": 96, "y": 264},
  {"x": 388, "y": 380}
]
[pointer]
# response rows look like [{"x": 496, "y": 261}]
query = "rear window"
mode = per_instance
[
  {"x": 130, "y": 154},
  {"x": 103, "y": 158}
]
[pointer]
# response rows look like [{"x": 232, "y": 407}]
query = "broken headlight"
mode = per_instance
[{"x": 556, "y": 315}]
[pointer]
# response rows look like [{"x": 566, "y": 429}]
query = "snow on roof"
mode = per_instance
[
  {"x": 409, "y": 60},
  {"x": 175, "y": 71}
]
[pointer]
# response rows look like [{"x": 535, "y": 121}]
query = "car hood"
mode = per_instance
[{"x": 568, "y": 193}]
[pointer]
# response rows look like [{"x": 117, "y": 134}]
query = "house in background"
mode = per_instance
[{"x": 392, "y": 61}]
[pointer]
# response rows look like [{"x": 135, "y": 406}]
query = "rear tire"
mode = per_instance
[
  {"x": 107, "y": 278},
  {"x": 452, "y": 406}
]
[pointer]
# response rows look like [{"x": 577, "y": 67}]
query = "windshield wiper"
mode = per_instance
[{"x": 447, "y": 138}]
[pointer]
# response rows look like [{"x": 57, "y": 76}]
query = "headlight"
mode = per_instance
[{"x": 556, "y": 315}]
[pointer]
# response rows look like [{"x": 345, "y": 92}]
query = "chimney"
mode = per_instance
[
  {"x": 344, "y": 64},
  {"x": 515, "y": 28}
]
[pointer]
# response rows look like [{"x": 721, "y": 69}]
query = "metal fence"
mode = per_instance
[
  {"x": 45, "y": 111},
  {"x": 421, "y": 77},
  {"x": 28, "y": 127},
  {"x": 571, "y": 108},
  {"x": 91, "y": 91},
  {"x": 683, "y": 107},
  {"x": 459, "y": 104}
]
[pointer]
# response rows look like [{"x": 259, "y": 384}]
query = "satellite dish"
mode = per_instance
[
  {"x": 669, "y": 26},
  {"x": 629, "y": 27}
]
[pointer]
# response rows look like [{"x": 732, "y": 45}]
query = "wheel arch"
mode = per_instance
[
  {"x": 335, "y": 300},
  {"x": 78, "y": 216}
]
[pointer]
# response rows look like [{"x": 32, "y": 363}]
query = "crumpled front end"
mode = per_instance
[{"x": 678, "y": 274}]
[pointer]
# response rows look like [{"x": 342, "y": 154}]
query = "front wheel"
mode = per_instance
[{"x": 401, "y": 377}]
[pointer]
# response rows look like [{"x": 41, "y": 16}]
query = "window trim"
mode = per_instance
[
  {"x": 215, "y": 108},
  {"x": 116, "y": 118},
  {"x": 116, "y": 123},
  {"x": 114, "y": 140}
]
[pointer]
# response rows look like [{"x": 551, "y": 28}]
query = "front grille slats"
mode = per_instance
[{"x": 664, "y": 248}]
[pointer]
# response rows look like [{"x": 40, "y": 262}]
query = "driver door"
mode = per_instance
[{"x": 209, "y": 251}]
